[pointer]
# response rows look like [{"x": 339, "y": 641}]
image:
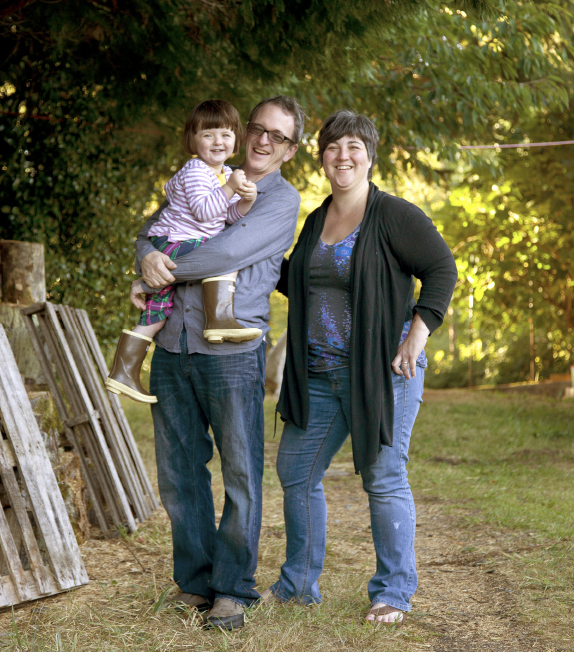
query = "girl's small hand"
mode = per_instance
[
  {"x": 236, "y": 179},
  {"x": 248, "y": 191},
  {"x": 136, "y": 294}
]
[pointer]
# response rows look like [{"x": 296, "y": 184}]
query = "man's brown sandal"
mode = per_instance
[{"x": 383, "y": 611}]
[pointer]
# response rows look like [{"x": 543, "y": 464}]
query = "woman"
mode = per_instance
[{"x": 355, "y": 363}]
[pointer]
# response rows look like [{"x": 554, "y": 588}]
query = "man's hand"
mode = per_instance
[
  {"x": 155, "y": 269},
  {"x": 248, "y": 191},
  {"x": 405, "y": 362},
  {"x": 136, "y": 294}
]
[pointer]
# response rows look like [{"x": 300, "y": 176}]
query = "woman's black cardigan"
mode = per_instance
[{"x": 396, "y": 242}]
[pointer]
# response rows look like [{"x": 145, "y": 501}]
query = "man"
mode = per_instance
[{"x": 200, "y": 384}]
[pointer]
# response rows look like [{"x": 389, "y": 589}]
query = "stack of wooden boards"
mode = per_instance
[
  {"x": 94, "y": 421},
  {"x": 39, "y": 553}
]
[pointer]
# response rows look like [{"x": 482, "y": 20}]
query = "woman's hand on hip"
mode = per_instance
[
  {"x": 155, "y": 269},
  {"x": 405, "y": 362}
]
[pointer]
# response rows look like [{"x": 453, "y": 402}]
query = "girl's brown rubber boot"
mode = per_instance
[
  {"x": 124, "y": 377},
  {"x": 220, "y": 323}
]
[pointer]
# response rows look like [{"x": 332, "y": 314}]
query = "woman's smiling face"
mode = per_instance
[{"x": 346, "y": 163}]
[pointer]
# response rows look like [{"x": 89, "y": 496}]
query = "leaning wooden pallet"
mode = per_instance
[
  {"x": 94, "y": 347},
  {"x": 126, "y": 458},
  {"x": 39, "y": 552},
  {"x": 112, "y": 475}
]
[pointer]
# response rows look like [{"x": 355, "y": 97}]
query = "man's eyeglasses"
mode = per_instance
[{"x": 274, "y": 136}]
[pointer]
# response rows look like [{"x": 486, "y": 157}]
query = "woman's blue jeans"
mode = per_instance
[{"x": 304, "y": 457}]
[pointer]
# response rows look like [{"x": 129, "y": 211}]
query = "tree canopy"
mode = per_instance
[{"x": 94, "y": 96}]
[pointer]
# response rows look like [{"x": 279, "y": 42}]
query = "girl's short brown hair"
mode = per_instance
[{"x": 212, "y": 114}]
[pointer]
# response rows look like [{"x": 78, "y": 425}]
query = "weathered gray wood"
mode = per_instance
[
  {"x": 92, "y": 483},
  {"x": 84, "y": 436},
  {"x": 125, "y": 445},
  {"x": 96, "y": 352},
  {"x": 110, "y": 428},
  {"x": 7, "y": 464},
  {"x": 38, "y": 477},
  {"x": 22, "y": 272},
  {"x": 4, "y": 599},
  {"x": 79, "y": 403},
  {"x": 13, "y": 321},
  {"x": 39, "y": 483},
  {"x": 9, "y": 596},
  {"x": 13, "y": 561},
  {"x": 275, "y": 364},
  {"x": 82, "y": 418},
  {"x": 33, "y": 309}
]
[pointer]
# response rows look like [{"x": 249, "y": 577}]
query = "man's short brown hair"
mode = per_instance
[
  {"x": 288, "y": 105},
  {"x": 212, "y": 114}
]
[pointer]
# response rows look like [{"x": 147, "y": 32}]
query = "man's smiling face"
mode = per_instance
[{"x": 261, "y": 155}]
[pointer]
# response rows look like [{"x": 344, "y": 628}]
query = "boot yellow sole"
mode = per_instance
[
  {"x": 119, "y": 388},
  {"x": 219, "y": 335}
]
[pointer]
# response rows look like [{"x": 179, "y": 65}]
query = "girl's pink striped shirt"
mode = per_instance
[{"x": 198, "y": 207}]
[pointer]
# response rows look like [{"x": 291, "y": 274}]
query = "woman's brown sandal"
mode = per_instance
[{"x": 383, "y": 611}]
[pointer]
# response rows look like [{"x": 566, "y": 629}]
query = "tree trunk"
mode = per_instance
[
  {"x": 22, "y": 282},
  {"x": 22, "y": 272}
]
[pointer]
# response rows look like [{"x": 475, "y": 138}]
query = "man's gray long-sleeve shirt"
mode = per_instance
[{"x": 254, "y": 245}]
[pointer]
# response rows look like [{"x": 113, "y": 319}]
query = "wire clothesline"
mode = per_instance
[{"x": 518, "y": 145}]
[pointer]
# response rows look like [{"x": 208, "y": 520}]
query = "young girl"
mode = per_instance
[{"x": 203, "y": 196}]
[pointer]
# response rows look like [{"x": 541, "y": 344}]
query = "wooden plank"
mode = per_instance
[
  {"x": 12, "y": 557},
  {"x": 4, "y": 599},
  {"x": 38, "y": 477},
  {"x": 19, "y": 506},
  {"x": 137, "y": 491},
  {"x": 82, "y": 418},
  {"x": 92, "y": 484},
  {"x": 116, "y": 443},
  {"x": 115, "y": 483},
  {"x": 8, "y": 395},
  {"x": 118, "y": 410},
  {"x": 33, "y": 309},
  {"x": 8, "y": 593},
  {"x": 84, "y": 435}
]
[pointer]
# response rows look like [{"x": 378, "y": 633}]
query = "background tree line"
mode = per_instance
[{"x": 94, "y": 96}]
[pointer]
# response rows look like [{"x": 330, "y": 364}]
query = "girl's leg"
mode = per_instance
[
  {"x": 393, "y": 518},
  {"x": 150, "y": 331},
  {"x": 304, "y": 456},
  {"x": 133, "y": 346}
]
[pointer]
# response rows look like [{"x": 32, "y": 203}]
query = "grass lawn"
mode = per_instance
[{"x": 492, "y": 476}]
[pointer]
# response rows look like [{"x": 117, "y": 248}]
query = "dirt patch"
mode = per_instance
[
  {"x": 468, "y": 598},
  {"x": 465, "y": 601}
]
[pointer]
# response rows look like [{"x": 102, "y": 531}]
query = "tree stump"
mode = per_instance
[{"x": 22, "y": 272}]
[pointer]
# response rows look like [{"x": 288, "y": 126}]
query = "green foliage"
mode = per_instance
[
  {"x": 513, "y": 236},
  {"x": 95, "y": 94}
]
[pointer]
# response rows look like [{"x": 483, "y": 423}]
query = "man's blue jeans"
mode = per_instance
[
  {"x": 225, "y": 392},
  {"x": 305, "y": 455}
]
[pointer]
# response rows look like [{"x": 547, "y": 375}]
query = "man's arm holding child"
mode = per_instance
[{"x": 268, "y": 229}]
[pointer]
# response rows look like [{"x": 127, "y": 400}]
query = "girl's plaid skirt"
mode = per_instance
[{"x": 159, "y": 305}]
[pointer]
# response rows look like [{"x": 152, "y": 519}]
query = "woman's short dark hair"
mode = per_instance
[
  {"x": 347, "y": 123},
  {"x": 212, "y": 114}
]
